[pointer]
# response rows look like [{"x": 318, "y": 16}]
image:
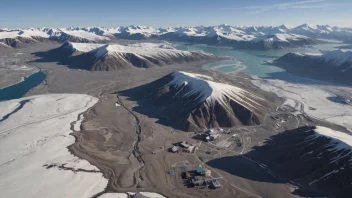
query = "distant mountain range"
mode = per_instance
[{"x": 253, "y": 37}]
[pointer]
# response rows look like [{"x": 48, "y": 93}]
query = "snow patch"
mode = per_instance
[
  {"x": 36, "y": 138},
  {"x": 339, "y": 139}
]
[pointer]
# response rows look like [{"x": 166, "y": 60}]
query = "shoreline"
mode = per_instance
[
  {"x": 22, "y": 88},
  {"x": 23, "y": 79},
  {"x": 302, "y": 73},
  {"x": 309, "y": 96}
]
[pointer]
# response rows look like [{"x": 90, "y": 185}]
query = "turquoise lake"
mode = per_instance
[
  {"x": 251, "y": 61},
  {"x": 20, "y": 89}
]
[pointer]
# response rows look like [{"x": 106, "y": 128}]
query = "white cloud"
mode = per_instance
[{"x": 306, "y": 4}]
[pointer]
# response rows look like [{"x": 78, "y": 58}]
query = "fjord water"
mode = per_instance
[
  {"x": 251, "y": 61},
  {"x": 20, "y": 89}
]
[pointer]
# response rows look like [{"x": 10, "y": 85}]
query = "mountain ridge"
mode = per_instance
[
  {"x": 106, "y": 57},
  {"x": 242, "y": 37}
]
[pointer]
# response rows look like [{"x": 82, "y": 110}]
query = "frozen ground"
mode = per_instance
[
  {"x": 35, "y": 132},
  {"x": 315, "y": 98}
]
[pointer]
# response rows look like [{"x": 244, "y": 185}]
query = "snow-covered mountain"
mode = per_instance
[
  {"x": 21, "y": 38},
  {"x": 77, "y": 36},
  {"x": 191, "y": 102},
  {"x": 115, "y": 57},
  {"x": 335, "y": 65},
  {"x": 252, "y": 37},
  {"x": 281, "y": 40},
  {"x": 239, "y": 39},
  {"x": 136, "y": 32},
  {"x": 307, "y": 29}
]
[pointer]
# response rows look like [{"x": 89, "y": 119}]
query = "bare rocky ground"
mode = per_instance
[{"x": 109, "y": 133}]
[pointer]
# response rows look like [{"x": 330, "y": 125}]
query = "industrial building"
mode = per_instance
[
  {"x": 212, "y": 134},
  {"x": 184, "y": 146},
  {"x": 201, "y": 177}
]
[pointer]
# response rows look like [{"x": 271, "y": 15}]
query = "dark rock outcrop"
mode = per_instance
[
  {"x": 316, "y": 67},
  {"x": 192, "y": 102}
]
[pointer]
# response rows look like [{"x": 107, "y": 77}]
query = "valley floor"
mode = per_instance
[{"x": 110, "y": 128}]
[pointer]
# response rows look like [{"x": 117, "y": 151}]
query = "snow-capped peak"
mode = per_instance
[
  {"x": 223, "y": 34},
  {"x": 307, "y": 26},
  {"x": 209, "y": 91},
  {"x": 285, "y": 27}
]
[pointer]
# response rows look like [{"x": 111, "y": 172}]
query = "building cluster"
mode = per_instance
[
  {"x": 184, "y": 147},
  {"x": 201, "y": 177},
  {"x": 212, "y": 134}
]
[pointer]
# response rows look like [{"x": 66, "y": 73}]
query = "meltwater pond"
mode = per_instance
[{"x": 250, "y": 61}]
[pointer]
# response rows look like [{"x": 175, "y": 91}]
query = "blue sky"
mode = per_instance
[{"x": 162, "y": 13}]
